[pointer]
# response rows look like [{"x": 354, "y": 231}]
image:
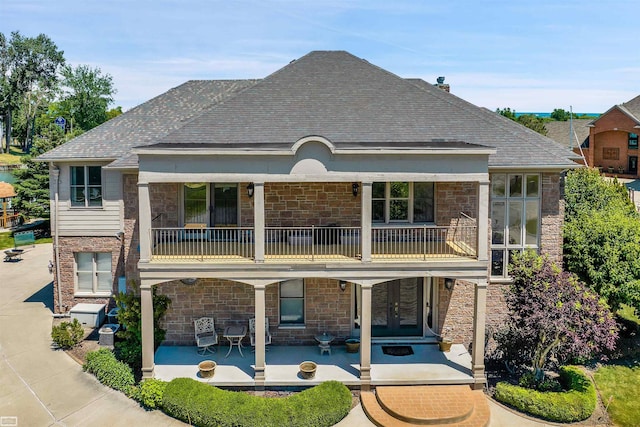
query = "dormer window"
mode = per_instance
[{"x": 633, "y": 140}]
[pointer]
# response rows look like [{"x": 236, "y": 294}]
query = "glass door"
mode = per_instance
[{"x": 396, "y": 308}]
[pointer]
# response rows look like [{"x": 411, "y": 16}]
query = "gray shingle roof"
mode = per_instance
[
  {"x": 335, "y": 95},
  {"x": 145, "y": 123},
  {"x": 560, "y": 131},
  {"x": 633, "y": 106}
]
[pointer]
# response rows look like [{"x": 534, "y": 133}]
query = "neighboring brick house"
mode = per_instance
[
  {"x": 610, "y": 142},
  {"x": 330, "y": 195}
]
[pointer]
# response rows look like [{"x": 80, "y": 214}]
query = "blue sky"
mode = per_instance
[{"x": 526, "y": 55}]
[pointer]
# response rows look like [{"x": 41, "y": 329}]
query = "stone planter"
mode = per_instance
[
  {"x": 353, "y": 345},
  {"x": 207, "y": 368},
  {"x": 308, "y": 370},
  {"x": 445, "y": 344}
]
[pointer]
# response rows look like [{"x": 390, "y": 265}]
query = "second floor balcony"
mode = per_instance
[{"x": 388, "y": 243}]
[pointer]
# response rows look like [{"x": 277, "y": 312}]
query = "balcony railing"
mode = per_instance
[{"x": 341, "y": 244}]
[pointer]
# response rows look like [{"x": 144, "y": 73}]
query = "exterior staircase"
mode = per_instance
[{"x": 434, "y": 405}]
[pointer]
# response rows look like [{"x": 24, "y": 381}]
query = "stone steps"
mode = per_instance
[{"x": 400, "y": 406}]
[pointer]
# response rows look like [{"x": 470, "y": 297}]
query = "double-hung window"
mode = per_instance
[
  {"x": 633, "y": 141},
  {"x": 410, "y": 202},
  {"x": 515, "y": 217},
  {"x": 292, "y": 302},
  {"x": 93, "y": 273},
  {"x": 86, "y": 186}
]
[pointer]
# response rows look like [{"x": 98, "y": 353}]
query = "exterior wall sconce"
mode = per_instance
[
  {"x": 343, "y": 285},
  {"x": 250, "y": 190},
  {"x": 449, "y": 283},
  {"x": 354, "y": 188}
]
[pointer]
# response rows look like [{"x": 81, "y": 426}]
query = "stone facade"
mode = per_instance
[
  {"x": 73, "y": 245},
  {"x": 327, "y": 308},
  {"x": 291, "y": 205},
  {"x": 552, "y": 216}
]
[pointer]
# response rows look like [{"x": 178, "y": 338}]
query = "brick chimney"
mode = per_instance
[{"x": 441, "y": 84}]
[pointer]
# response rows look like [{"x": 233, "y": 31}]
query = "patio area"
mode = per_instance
[{"x": 427, "y": 365}]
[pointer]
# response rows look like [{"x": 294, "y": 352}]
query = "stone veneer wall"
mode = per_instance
[
  {"x": 552, "y": 216},
  {"x": 232, "y": 303},
  {"x": 453, "y": 198},
  {"x": 306, "y": 204},
  {"x": 71, "y": 245}
]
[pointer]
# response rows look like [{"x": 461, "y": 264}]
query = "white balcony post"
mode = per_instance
[
  {"x": 258, "y": 222},
  {"x": 365, "y": 221},
  {"x": 483, "y": 221},
  {"x": 144, "y": 221},
  {"x": 259, "y": 369},
  {"x": 365, "y": 337},
  {"x": 479, "y": 321},
  {"x": 146, "y": 315}
]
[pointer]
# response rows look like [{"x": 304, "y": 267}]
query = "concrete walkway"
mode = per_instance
[{"x": 43, "y": 387}]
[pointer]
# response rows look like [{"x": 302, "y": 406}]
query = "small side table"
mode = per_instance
[
  {"x": 325, "y": 342},
  {"x": 235, "y": 334}
]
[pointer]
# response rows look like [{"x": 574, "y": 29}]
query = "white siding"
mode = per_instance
[{"x": 106, "y": 220}]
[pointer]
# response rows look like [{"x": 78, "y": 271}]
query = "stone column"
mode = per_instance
[
  {"x": 365, "y": 222},
  {"x": 259, "y": 374},
  {"x": 144, "y": 221},
  {"x": 479, "y": 321},
  {"x": 146, "y": 308},
  {"x": 258, "y": 222},
  {"x": 483, "y": 221},
  {"x": 365, "y": 337}
]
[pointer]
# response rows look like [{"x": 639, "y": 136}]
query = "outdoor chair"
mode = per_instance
[
  {"x": 252, "y": 332},
  {"x": 205, "y": 333}
]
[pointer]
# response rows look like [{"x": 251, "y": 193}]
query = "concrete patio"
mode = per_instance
[{"x": 428, "y": 365}]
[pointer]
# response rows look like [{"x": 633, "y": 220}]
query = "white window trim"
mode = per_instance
[
  {"x": 95, "y": 292},
  {"x": 86, "y": 187}
]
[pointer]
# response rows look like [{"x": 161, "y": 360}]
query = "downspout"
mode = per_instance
[{"x": 56, "y": 247}]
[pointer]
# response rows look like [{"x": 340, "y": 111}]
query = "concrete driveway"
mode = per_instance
[{"x": 40, "y": 386}]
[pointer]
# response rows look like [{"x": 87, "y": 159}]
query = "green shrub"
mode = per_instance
[
  {"x": 529, "y": 380},
  {"x": 109, "y": 370},
  {"x": 149, "y": 393},
  {"x": 576, "y": 404},
  {"x": 67, "y": 334},
  {"x": 204, "y": 405}
]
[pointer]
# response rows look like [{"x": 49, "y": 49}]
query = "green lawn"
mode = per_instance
[
  {"x": 11, "y": 158},
  {"x": 6, "y": 241},
  {"x": 619, "y": 387}
]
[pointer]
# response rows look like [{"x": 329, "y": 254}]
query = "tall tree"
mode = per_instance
[
  {"x": 87, "y": 94},
  {"x": 29, "y": 68},
  {"x": 32, "y": 183},
  {"x": 602, "y": 237},
  {"x": 528, "y": 120}
]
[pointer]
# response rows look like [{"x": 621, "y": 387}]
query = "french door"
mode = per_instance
[
  {"x": 214, "y": 205},
  {"x": 396, "y": 308}
]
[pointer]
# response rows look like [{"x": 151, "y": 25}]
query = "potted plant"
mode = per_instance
[
  {"x": 610, "y": 169},
  {"x": 207, "y": 368},
  {"x": 620, "y": 169},
  {"x": 353, "y": 345},
  {"x": 445, "y": 344},
  {"x": 445, "y": 340},
  {"x": 308, "y": 370}
]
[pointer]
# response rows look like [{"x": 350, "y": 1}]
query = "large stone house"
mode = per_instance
[{"x": 331, "y": 195}]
